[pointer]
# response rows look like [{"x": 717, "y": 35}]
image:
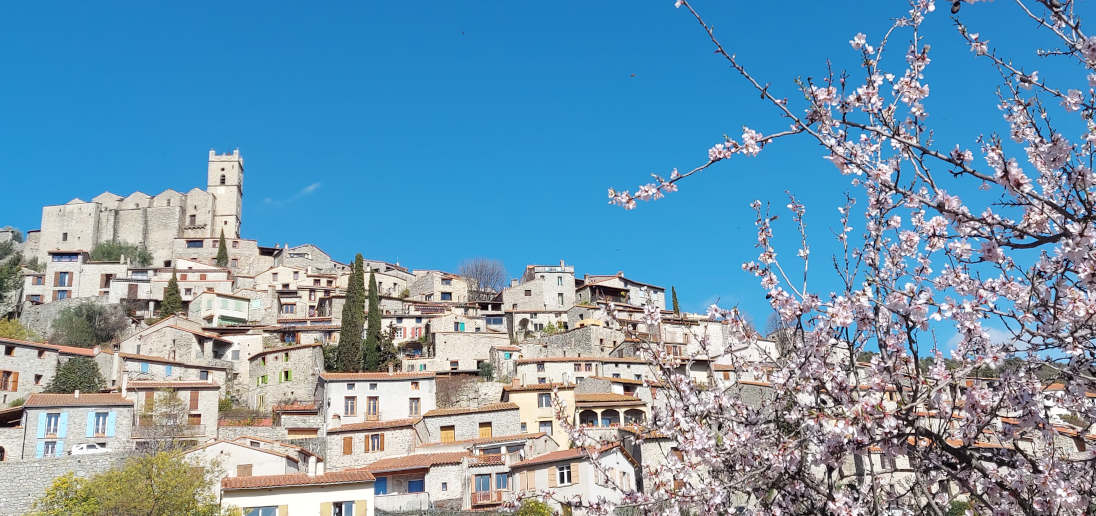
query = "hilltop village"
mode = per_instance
[{"x": 464, "y": 417}]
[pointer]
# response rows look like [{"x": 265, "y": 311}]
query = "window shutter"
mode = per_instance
[
  {"x": 283, "y": 510},
  {"x": 382, "y": 443},
  {"x": 368, "y": 443},
  {"x": 41, "y": 427},
  {"x": 194, "y": 400},
  {"x": 90, "y": 429},
  {"x": 15, "y": 381},
  {"x": 62, "y": 427},
  {"x": 348, "y": 445},
  {"x": 112, "y": 420},
  {"x": 361, "y": 507},
  {"x": 57, "y": 280},
  {"x": 39, "y": 449},
  {"x": 59, "y": 450},
  {"x": 553, "y": 475},
  {"x": 149, "y": 399},
  {"x": 574, "y": 472},
  {"x": 325, "y": 509}
]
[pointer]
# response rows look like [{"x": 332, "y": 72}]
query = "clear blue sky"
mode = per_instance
[{"x": 438, "y": 131}]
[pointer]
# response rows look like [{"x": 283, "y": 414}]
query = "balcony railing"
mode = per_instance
[
  {"x": 402, "y": 502},
  {"x": 488, "y": 497}
]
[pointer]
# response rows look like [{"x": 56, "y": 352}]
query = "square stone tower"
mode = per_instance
[{"x": 226, "y": 184}]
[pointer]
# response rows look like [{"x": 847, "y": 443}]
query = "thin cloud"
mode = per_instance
[{"x": 307, "y": 190}]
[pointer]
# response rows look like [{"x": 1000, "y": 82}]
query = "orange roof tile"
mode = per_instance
[
  {"x": 486, "y": 440},
  {"x": 419, "y": 461},
  {"x": 356, "y": 476},
  {"x": 295, "y": 407},
  {"x": 538, "y": 387},
  {"x": 607, "y": 397},
  {"x": 287, "y": 348},
  {"x": 556, "y": 456},
  {"x": 71, "y": 400},
  {"x": 344, "y": 377},
  {"x": 138, "y": 384},
  {"x": 461, "y": 410},
  {"x": 375, "y": 425}
]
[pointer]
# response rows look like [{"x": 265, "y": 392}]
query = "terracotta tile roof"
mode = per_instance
[
  {"x": 74, "y": 350},
  {"x": 345, "y": 377},
  {"x": 295, "y": 407},
  {"x": 287, "y": 348},
  {"x": 419, "y": 461},
  {"x": 607, "y": 397},
  {"x": 298, "y": 479},
  {"x": 538, "y": 387},
  {"x": 506, "y": 348},
  {"x": 43, "y": 345},
  {"x": 610, "y": 360},
  {"x": 162, "y": 360},
  {"x": 462, "y": 410},
  {"x": 200, "y": 333},
  {"x": 486, "y": 440},
  {"x": 138, "y": 384},
  {"x": 375, "y": 425},
  {"x": 556, "y": 456},
  {"x": 70, "y": 400},
  {"x": 485, "y": 460},
  {"x": 271, "y": 441},
  {"x": 1061, "y": 387},
  {"x": 242, "y": 445}
]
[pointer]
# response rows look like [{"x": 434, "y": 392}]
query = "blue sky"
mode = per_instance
[{"x": 431, "y": 132}]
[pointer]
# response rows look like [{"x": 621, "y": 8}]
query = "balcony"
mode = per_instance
[
  {"x": 168, "y": 431},
  {"x": 402, "y": 502},
  {"x": 488, "y": 497}
]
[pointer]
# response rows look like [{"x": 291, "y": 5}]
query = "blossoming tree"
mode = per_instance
[{"x": 937, "y": 238}]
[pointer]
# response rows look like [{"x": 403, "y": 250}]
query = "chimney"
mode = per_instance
[
  {"x": 125, "y": 385},
  {"x": 311, "y": 465},
  {"x": 515, "y": 382},
  {"x": 76, "y": 393},
  {"x": 561, "y": 262}
]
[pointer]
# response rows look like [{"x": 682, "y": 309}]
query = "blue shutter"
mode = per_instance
[
  {"x": 62, "y": 428},
  {"x": 59, "y": 449},
  {"x": 39, "y": 449},
  {"x": 461, "y": 326},
  {"x": 90, "y": 429},
  {"x": 379, "y": 487},
  {"x": 167, "y": 371},
  {"x": 41, "y": 427},
  {"x": 144, "y": 367},
  {"x": 112, "y": 418}
]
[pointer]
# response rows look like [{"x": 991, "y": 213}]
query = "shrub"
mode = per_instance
[
  {"x": 77, "y": 374},
  {"x": 86, "y": 325},
  {"x": 114, "y": 251}
]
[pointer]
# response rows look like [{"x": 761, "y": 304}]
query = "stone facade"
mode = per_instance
[
  {"x": 542, "y": 288},
  {"x": 361, "y": 447},
  {"x": 61, "y": 421},
  {"x": 285, "y": 374},
  {"x": 347, "y": 397},
  {"x": 25, "y": 368},
  {"x": 438, "y": 286},
  {"x": 495, "y": 419},
  {"x": 25, "y": 481},
  {"x": 200, "y": 401}
]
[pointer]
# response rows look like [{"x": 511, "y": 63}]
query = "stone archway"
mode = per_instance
[
  {"x": 587, "y": 418},
  {"x": 610, "y": 417}
]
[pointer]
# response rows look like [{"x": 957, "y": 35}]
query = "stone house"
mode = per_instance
[
  {"x": 244, "y": 256},
  {"x": 528, "y": 323},
  {"x": 359, "y": 444},
  {"x": 230, "y": 459},
  {"x": 221, "y": 309},
  {"x": 541, "y": 288},
  {"x": 25, "y": 367},
  {"x": 349, "y": 398},
  {"x": 457, "y": 424},
  {"x": 651, "y": 450},
  {"x": 555, "y": 369},
  {"x": 617, "y": 288},
  {"x": 419, "y": 482},
  {"x": 199, "y": 405},
  {"x": 627, "y": 367},
  {"x": 286, "y": 374},
  {"x": 70, "y": 274},
  {"x": 607, "y": 410},
  {"x": 11, "y": 434},
  {"x": 570, "y": 473},
  {"x": 309, "y": 256},
  {"x": 504, "y": 360},
  {"x": 455, "y": 351},
  {"x": 150, "y": 221},
  {"x": 130, "y": 367},
  {"x": 55, "y": 423},
  {"x": 344, "y": 493},
  {"x": 308, "y": 331},
  {"x": 438, "y": 286},
  {"x": 301, "y": 420},
  {"x": 535, "y": 408},
  {"x": 181, "y": 339},
  {"x": 513, "y": 447},
  {"x": 193, "y": 278}
]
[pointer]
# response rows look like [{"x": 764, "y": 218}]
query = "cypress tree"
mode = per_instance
[
  {"x": 677, "y": 309},
  {"x": 173, "y": 301},
  {"x": 373, "y": 328},
  {"x": 222, "y": 251},
  {"x": 348, "y": 354}
]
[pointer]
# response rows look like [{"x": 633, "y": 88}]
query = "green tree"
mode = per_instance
[
  {"x": 173, "y": 301},
  {"x": 222, "y": 251},
  {"x": 487, "y": 371},
  {"x": 349, "y": 351},
  {"x": 531, "y": 507},
  {"x": 114, "y": 250},
  {"x": 87, "y": 325},
  {"x": 11, "y": 277},
  {"x": 677, "y": 308},
  {"x": 77, "y": 374},
  {"x": 372, "y": 359},
  {"x": 13, "y": 329},
  {"x": 152, "y": 484}
]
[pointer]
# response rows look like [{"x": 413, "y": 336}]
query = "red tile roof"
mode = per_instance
[
  {"x": 349, "y": 377},
  {"x": 561, "y": 455},
  {"x": 487, "y": 440},
  {"x": 194, "y": 384},
  {"x": 607, "y": 397},
  {"x": 538, "y": 387},
  {"x": 71, "y": 400},
  {"x": 356, "y": 476},
  {"x": 295, "y": 407},
  {"x": 287, "y": 348},
  {"x": 423, "y": 460},
  {"x": 375, "y": 425},
  {"x": 610, "y": 360},
  {"x": 472, "y": 410},
  {"x": 200, "y": 333}
]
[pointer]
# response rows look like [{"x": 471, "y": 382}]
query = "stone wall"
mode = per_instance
[
  {"x": 39, "y": 318},
  {"x": 466, "y": 392},
  {"x": 585, "y": 341},
  {"x": 25, "y": 481},
  {"x": 274, "y": 433}
]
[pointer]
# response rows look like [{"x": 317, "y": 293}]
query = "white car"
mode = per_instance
[{"x": 89, "y": 449}]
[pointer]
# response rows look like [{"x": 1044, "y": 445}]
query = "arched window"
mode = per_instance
[{"x": 222, "y": 179}]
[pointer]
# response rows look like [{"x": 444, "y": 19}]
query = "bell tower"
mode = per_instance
[{"x": 226, "y": 182}]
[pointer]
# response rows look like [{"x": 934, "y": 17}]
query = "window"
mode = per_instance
[
  {"x": 203, "y": 375},
  {"x": 545, "y": 426},
  {"x": 215, "y": 244},
  {"x": 201, "y": 277},
  {"x": 589, "y": 367},
  {"x": 454, "y": 365},
  {"x": 447, "y": 281},
  {"x": 64, "y": 237},
  {"x": 222, "y": 179},
  {"x": 285, "y": 356},
  {"x": 100, "y": 423},
  {"x": 235, "y": 244},
  {"x": 524, "y": 428},
  {"x": 296, "y": 275},
  {"x": 37, "y": 280},
  {"x": 544, "y": 400},
  {"x": 289, "y": 309},
  {"x": 616, "y": 375},
  {"x": 456, "y": 326},
  {"x": 372, "y": 386},
  {"x": 559, "y": 281},
  {"x": 234, "y": 262},
  {"x": 188, "y": 291},
  {"x": 348, "y": 445},
  {"x": 376, "y": 442},
  {"x": 64, "y": 279},
  {"x": 372, "y": 405},
  {"x": 528, "y": 293},
  {"x": 448, "y": 434},
  {"x": 9, "y": 350},
  {"x": 287, "y": 376},
  {"x": 445, "y": 486},
  {"x": 193, "y": 244},
  {"x": 273, "y": 276},
  {"x": 578, "y": 367},
  {"x": 446, "y": 296},
  {"x": 506, "y": 356},
  {"x": 342, "y": 509},
  {"x": 542, "y": 380},
  {"x": 350, "y": 405},
  {"x": 483, "y": 483},
  {"x": 414, "y": 386},
  {"x": 414, "y": 405},
  {"x": 66, "y": 257},
  {"x": 50, "y": 448},
  {"x": 563, "y": 474},
  {"x": 349, "y": 386},
  {"x": 416, "y": 486},
  {"x": 37, "y": 379},
  {"x": 53, "y": 419},
  {"x": 502, "y": 481},
  {"x": 485, "y": 429}
]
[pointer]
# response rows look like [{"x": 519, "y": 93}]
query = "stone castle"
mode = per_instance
[{"x": 154, "y": 222}]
